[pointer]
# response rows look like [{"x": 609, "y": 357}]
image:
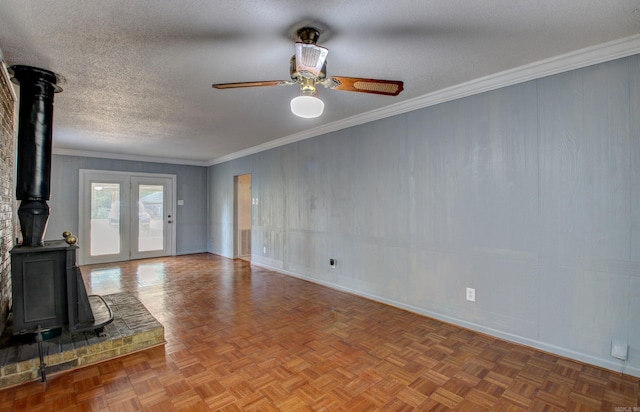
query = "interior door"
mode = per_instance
[{"x": 125, "y": 216}]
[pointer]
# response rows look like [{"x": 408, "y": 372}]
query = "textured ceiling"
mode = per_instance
[{"x": 139, "y": 73}]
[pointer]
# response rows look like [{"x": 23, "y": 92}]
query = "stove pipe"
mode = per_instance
[{"x": 35, "y": 126}]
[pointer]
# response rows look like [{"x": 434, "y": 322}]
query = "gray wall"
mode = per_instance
[
  {"x": 529, "y": 194},
  {"x": 191, "y": 230}
]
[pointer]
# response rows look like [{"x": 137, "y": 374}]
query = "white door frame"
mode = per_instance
[{"x": 84, "y": 199}]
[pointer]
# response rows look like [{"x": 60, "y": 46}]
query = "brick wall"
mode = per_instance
[{"x": 8, "y": 221}]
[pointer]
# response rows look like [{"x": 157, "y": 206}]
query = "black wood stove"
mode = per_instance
[
  {"x": 49, "y": 292},
  {"x": 48, "y": 289}
]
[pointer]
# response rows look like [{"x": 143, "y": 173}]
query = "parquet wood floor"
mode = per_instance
[{"x": 243, "y": 338}]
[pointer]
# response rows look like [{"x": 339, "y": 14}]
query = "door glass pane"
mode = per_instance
[
  {"x": 150, "y": 217},
  {"x": 105, "y": 218}
]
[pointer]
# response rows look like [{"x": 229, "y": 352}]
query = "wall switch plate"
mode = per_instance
[
  {"x": 619, "y": 350},
  {"x": 471, "y": 294},
  {"x": 332, "y": 263}
]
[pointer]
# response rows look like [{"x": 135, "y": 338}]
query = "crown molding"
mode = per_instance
[
  {"x": 120, "y": 156},
  {"x": 589, "y": 56}
]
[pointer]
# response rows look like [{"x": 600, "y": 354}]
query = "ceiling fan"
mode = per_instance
[{"x": 308, "y": 68}]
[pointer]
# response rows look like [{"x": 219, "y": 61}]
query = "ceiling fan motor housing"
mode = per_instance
[{"x": 298, "y": 76}]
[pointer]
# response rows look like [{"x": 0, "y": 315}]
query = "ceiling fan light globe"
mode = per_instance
[{"x": 307, "y": 107}]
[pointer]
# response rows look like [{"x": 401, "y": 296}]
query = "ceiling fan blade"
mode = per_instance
[
  {"x": 357, "y": 84},
  {"x": 252, "y": 84}
]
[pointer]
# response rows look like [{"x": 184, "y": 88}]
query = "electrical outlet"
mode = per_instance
[
  {"x": 264, "y": 250},
  {"x": 471, "y": 294}
]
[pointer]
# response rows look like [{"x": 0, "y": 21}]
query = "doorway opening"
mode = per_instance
[{"x": 243, "y": 200}]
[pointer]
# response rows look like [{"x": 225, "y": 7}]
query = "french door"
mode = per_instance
[{"x": 125, "y": 216}]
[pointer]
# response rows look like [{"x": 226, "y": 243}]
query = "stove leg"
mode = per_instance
[{"x": 43, "y": 365}]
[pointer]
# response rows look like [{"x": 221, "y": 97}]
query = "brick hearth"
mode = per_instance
[{"x": 132, "y": 329}]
